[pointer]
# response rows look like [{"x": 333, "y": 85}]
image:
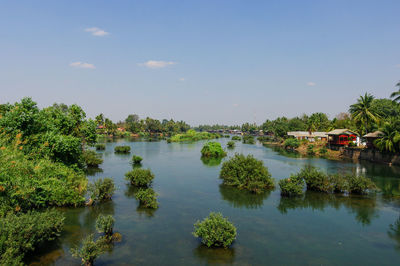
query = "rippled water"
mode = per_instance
[{"x": 316, "y": 229}]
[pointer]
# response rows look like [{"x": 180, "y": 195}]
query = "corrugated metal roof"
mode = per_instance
[
  {"x": 307, "y": 134},
  {"x": 341, "y": 131},
  {"x": 375, "y": 134}
]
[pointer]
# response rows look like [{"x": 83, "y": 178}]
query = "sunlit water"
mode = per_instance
[{"x": 317, "y": 229}]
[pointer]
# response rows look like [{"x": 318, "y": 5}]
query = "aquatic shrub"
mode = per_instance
[
  {"x": 246, "y": 172},
  {"x": 100, "y": 147},
  {"x": 315, "y": 179},
  {"x": 89, "y": 250},
  {"x": 291, "y": 143},
  {"x": 105, "y": 225},
  {"x": 231, "y": 144},
  {"x": 23, "y": 232},
  {"x": 92, "y": 158},
  {"x": 211, "y": 161},
  {"x": 136, "y": 159},
  {"x": 140, "y": 177},
  {"x": 101, "y": 190},
  {"x": 310, "y": 149},
  {"x": 227, "y": 136},
  {"x": 292, "y": 187},
  {"x": 191, "y": 135},
  {"x": 122, "y": 149},
  {"x": 215, "y": 230},
  {"x": 248, "y": 139},
  {"x": 147, "y": 198},
  {"x": 360, "y": 184},
  {"x": 236, "y": 138},
  {"x": 212, "y": 149}
]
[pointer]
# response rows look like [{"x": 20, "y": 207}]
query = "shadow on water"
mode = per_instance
[
  {"x": 211, "y": 161},
  {"x": 283, "y": 151},
  {"x": 215, "y": 255},
  {"x": 92, "y": 171},
  {"x": 130, "y": 193},
  {"x": 363, "y": 207},
  {"x": 394, "y": 232},
  {"x": 242, "y": 198}
]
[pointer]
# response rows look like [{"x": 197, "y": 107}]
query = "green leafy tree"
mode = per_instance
[
  {"x": 390, "y": 141},
  {"x": 363, "y": 114},
  {"x": 396, "y": 95},
  {"x": 89, "y": 250}
]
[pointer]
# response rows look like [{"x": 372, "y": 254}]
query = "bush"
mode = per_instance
[
  {"x": 291, "y": 187},
  {"x": 227, "y": 136},
  {"x": 92, "y": 159},
  {"x": 100, "y": 147},
  {"x": 212, "y": 149},
  {"x": 137, "y": 159},
  {"x": 147, "y": 198},
  {"x": 140, "y": 177},
  {"x": 231, "y": 144},
  {"x": 248, "y": 139},
  {"x": 246, "y": 172},
  {"x": 122, "y": 149},
  {"x": 105, "y": 225},
  {"x": 89, "y": 250},
  {"x": 310, "y": 149},
  {"x": 23, "y": 233},
  {"x": 215, "y": 230},
  {"x": 291, "y": 143},
  {"x": 323, "y": 150},
  {"x": 360, "y": 184},
  {"x": 315, "y": 179},
  {"x": 101, "y": 190},
  {"x": 191, "y": 135},
  {"x": 236, "y": 138}
]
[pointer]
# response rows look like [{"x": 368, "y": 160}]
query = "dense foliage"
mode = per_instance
[
  {"x": 215, "y": 230},
  {"x": 248, "y": 139},
  {"x": 212, "y": 149},
  {"x": 92, "y": 158},
  {"x": 147, "y": 198},
  {"x": 136, "y": 159},
  {"x": 246, "y": 172},
  {"x": 191, "y": 135},
  {"x": 100, "y": 147},
  {"x": 291, "y": 187},
  {"x": 140, "y": 177},
  {"x": 231, "y": 144},
  {"x": 23, "y": 232},
  {"x": 291, "y": 143},
  {"x": 237, "y": 138},
  {"x": 122, "y": 149},
  {"x": 105, "y": 225},
  {"x": 89, "y": 250},
  {"x": 101, "y": 190}
]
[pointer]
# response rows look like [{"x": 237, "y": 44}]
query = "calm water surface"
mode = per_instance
[{"x": 317, "y": 229}]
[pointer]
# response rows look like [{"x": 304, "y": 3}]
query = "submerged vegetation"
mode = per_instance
[
  {"x": 248, "y": 139},
  {"x": 140, "y": 177},
  {"x": 231, "y": 144},
  {"x": 291, "y": 187},
  {"x": 191, "y": 135},
  {"x": 92, "y": 158},
  {"x": 215, "y": 231},
  {"x": 246, "y": 172},
  {"x": 100, "y": 147},
  {"x": 136, "y": 159},
  {"x": 237, "y": 138},
  {"x": 89, "y": 250},
  {"x": 122, "y": 149},
  {"x": 101, "y": 190},
  {"x": 147, "y": 198},
  {"x": 213, "y": 149}
]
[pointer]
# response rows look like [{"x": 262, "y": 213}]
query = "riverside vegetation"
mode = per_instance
[{"x": 212, "y": 150}]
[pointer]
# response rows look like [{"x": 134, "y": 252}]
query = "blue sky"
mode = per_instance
[{"x": 199, "y": 61}]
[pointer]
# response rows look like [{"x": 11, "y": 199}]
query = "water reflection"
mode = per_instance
[
  {"x": 211, "y": 161},
  {"x": 394, "y": 232},
  {"x": 215, "y": 255},
  {"x": 242, "y": 198},
  {"x": 130, "y": 192},
  {"x": 92, "y": 171},
  {"x": 363, "y": 207},
  {"x": 284, "y": 152}
]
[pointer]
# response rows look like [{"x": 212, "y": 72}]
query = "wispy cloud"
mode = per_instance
[
  {"x": 157, "y": 64},
  {"x": 82, "y": 65},
  {"x": 310, "y": 83},
  {"x": 97, "y": 31}
]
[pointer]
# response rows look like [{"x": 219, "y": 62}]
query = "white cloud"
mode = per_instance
[
  {"x": 310, "y": 83},
  {"x": 156, "y": 64},
  {"x": 181, "y": 79},
  {"x": 97, "y": 32},
  {"x": 82, "y": 65}
]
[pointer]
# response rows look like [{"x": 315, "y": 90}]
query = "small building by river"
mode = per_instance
[
  {"x": 343, "y": 137},
  {"x": 310, "y": 136}
]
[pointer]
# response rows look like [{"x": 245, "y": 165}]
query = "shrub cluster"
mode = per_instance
[
  {"x": 236, "y": 138},
  {"x": 136, "y": 159},
  {"x": 140, "y": 177},
  {"x": 246, "y": 172},
  {"x": 101, "y": 190},
  {"x": 215, "y": 230},
  {"x": 231, "y": 144},
  {"x": 92, "y": 158},
  {"x": 291, "y": 187},
  {"x": 100, "y": 147},
  {"x": 122, "y": 149},
  {"x": 147, "y": 198},
  {"x": 191, "y": 135},
  {"x": 89, "y": 250},
  {"x": 212, "y": 149},
  {"x": 105, "y": 225},
  {"x": 291, "y": 143},
  {"x": 317, "y": 180},
  {"x": 248, "y": 139},
  {"x": 310, "y": 149}
]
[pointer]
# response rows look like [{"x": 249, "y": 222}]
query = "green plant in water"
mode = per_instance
[
  {"x": 140, "y": 177},
  {"x": 248, "y": 139},
  {"x": 237, "y": 138},
  {"x": 292, "y": 187},
  {"x": 92, "y": 159},
  {"x": 231, "y": 144},
  {"x": 105, "y": 225},
  {"x": 215, "y": 230},
  {"x": 360, "y": 184},
  {"x": 147, "y": 198},
  {"x": 136, "y": 159},
  {"x": 100, "y": 147},
  {"x": 246, "y": 172},
  {"x": 212, "y": 149},
  {"x": 89, "y": 250},
  {"x": 122, "y": 149},
  {"x": 101, "y": 190}
]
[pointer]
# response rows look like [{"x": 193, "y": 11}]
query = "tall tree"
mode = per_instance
[
  {"x": 396, "y": 94},
  {"x": 363, "y": 114}
]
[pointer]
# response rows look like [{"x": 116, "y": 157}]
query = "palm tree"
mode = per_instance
[
  {"x": 390, "y": 141},
  {"x": 396, "y": 94},
  {"x": 362, "y": 111}
]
